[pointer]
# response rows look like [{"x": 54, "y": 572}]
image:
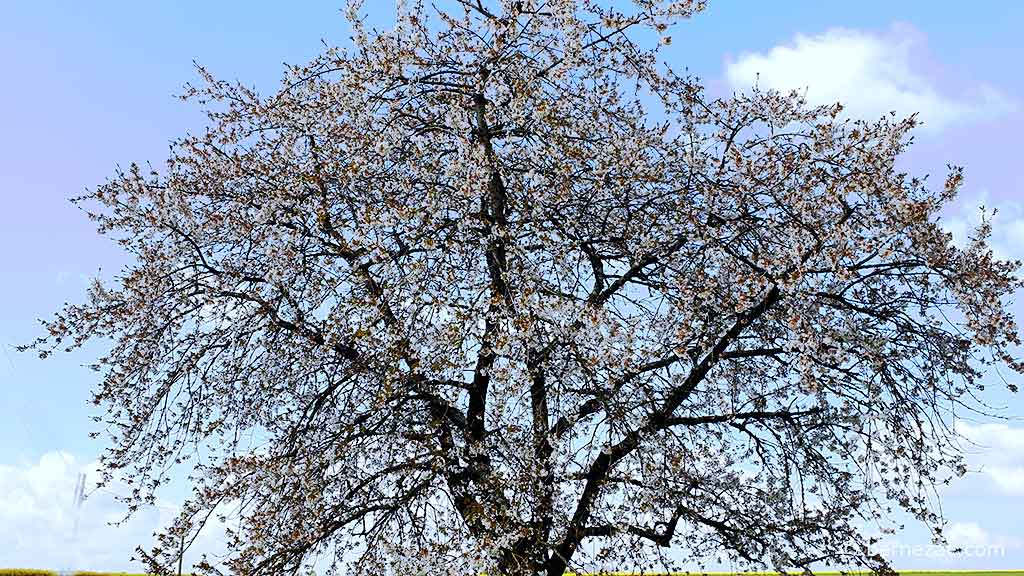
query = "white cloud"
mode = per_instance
[
  {"x": 967, "y": 534},
  {"x": 871, "y": 74},
  {"x": 1007, "y": 240},
  {"x": 40, "y": 526},
  {"x": 997, "y": 450},
  {"x": 970, "y": 536}
]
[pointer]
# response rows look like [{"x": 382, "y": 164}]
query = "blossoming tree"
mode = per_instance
[{"x": 497, "y": 290}]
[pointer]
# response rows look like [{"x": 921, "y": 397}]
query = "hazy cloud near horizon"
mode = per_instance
[{"x": 43, "y": 527}]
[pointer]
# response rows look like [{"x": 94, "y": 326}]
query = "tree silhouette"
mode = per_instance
[{"x": 495, "y": 290}]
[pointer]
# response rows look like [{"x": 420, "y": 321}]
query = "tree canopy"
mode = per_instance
[{"x": 498, "y": 290}]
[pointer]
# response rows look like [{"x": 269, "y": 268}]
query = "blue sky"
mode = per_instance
[{"x": 88, "y": 86}]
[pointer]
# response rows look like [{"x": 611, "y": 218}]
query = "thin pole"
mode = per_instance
[{"x": 181, "y": 554}]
